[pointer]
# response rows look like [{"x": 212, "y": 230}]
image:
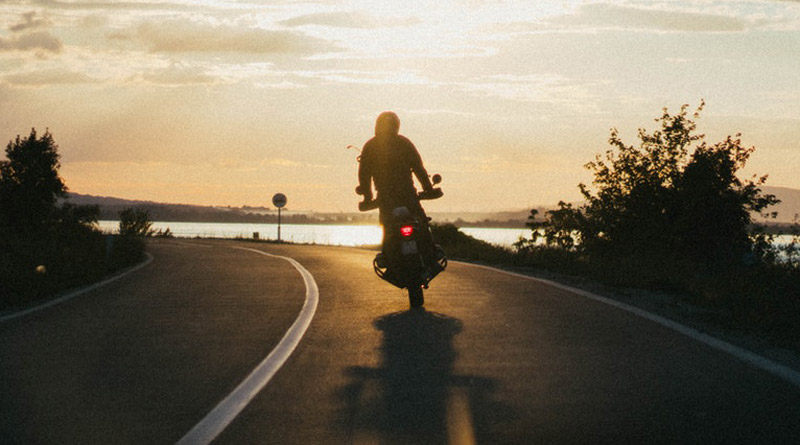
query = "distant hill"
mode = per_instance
[
  {"x": 110, "y": 208},
  {"x": 510, "y": 219},
  {"x": 789, "y": 206}
]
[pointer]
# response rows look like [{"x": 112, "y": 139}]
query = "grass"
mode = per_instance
[
  {"x": 38, "y": 266},
  {"x": 758, "y": 299},
  {"x": 461, "y": 246}
]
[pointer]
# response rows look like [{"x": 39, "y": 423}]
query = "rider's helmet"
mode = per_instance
[{"x": 387, "y": 124}]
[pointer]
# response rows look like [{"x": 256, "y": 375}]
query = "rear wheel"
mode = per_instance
[{"x": 415, "y": 296}]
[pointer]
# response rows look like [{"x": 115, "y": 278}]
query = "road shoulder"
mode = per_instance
[{"x": 671, "y": 306}]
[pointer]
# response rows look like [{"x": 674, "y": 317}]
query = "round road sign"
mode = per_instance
[{"x": 279, "y": 200}]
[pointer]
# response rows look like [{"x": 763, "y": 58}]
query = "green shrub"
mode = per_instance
[
  {"x": 459, "y": 245},
  {"x": 135, "y": 222},
  {"x": 47, "y": 248},
  {"x": 39, "y": 264},
  {"x": 126, "y": 250},
  {"x": 672, "y": 214}
]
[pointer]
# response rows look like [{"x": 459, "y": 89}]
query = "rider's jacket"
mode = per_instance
[{"x": 389, "y": 161}]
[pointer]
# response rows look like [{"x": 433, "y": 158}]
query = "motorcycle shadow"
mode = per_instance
[{"x": 413, "y": 396}]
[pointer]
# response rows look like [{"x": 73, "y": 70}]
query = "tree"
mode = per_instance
[
  {"x": 672, "y": 198},
  {"x": 714, "y": 223},
  {"x": 135, "y": 222},
  {"x": 45, "y": 247},
  {"x": 558, "y": 228},
  {"x": 29, "y": 182}
]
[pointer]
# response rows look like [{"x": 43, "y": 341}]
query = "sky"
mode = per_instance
[{"x": 229, "y": 102}]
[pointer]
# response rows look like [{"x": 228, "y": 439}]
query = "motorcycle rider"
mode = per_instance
[{"x": 389, "y": 160}]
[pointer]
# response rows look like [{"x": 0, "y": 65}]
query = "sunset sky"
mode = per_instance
[{"x": 228, "y": 102}]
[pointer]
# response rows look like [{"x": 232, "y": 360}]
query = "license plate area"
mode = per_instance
[{"x": 409, "y": 248}]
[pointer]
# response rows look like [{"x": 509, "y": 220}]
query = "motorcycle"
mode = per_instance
[{"x": 409, "y": 258}]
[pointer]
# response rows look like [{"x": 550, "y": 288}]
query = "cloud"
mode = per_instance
[
  {"x": 40, "y": 40},
  {"x": 94, "y": 21},
  {"x": 264, "y": 164},
  {"x": 182, "y": 37},
  {"x": 178, "y": 74},
  {"x": 346, "y": 20},
  {"x": 548, "y": 88},
  {"x": 510, "y": 161},
  {"x": 107, "y": 5},
  {"x": 332, "y": 19},
  {"x": 47, "y": 77},
  {"x": 29, "y": 21},
  {"x": 602, "y": 15},
  {"x": 369, "y": 77},
  {"x": 267, "y": 163},
  {"x": 439, "y": 111},
  {"x": 279, "y": 85}
]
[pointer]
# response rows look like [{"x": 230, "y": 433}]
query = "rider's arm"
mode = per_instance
[
  {"x": 365, "y": 174},
  {"x": 419, "y": 169}
]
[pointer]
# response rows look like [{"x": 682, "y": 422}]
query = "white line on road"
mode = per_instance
[
  {"x": 783, "y": 372},
  {"x": 75, "y": 293},
  {"x": 230, "y": 407}
]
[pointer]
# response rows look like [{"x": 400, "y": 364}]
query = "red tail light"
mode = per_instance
[{"x": 407, "y": 230}]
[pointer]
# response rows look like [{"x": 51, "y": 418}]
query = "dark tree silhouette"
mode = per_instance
[
  {"x": 672, "y": 213},
  {"x": 672, "y": 198},
  {"x": 135, "y": 222},
  {"x": 29, "y": 182},
  {"x": 47, "y": 247}
]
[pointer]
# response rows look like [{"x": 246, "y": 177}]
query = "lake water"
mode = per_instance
[{"x": 336, "y": 235}]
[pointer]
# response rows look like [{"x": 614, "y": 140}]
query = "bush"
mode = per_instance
[
  {"x": 672, "y": 214},
  {"x": 47, "y": 248},
  {"x": 554, "y": 259},
  {"x": 135, "y": 222},
  {"x": 37, "y": 265},
  {"x": 674, "y": 196},
  {"x": 29, "y": 183},
  {"x": 459, "y": 245},
  {"x": 42, "y": 263},
  {"x": 126, "y": 250}
]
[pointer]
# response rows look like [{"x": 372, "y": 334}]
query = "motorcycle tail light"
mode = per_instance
[{"x": 407, "y": 230}]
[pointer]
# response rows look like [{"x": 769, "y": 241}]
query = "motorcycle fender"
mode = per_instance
[{"x": 409, "y": 248}]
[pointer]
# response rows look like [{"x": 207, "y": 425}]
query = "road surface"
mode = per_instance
[{"x": 491, "y": 359}]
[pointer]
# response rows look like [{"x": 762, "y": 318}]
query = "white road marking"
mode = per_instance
[
  {"x": 230, "y": 407},
  {"x": 781, "y": 371},
  {"x": 191, "y": 243},
  {"x": 77, "y": 292}
]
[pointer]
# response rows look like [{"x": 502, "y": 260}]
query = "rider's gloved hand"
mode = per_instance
[{"x": 427, "y": 186}]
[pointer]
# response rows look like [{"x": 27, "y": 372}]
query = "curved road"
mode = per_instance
[{"x": 492, "y": 359}]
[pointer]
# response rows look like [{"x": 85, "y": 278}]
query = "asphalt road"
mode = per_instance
[{"x": 491, "y": 359}]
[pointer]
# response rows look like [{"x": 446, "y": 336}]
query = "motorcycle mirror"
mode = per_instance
[{"x": 437, "y": 178}]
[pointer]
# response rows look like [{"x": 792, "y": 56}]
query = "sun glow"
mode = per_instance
[{"x": 221, "y": 102}]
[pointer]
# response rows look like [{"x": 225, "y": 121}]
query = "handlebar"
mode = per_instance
[
  {"x": 366, "y": 206},
  {"x": 434, "y": 193}
]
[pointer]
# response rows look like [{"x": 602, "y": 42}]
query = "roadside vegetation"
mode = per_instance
[
  {"x": 670, "y": 214},
  {"x": 47, "y": 247}
]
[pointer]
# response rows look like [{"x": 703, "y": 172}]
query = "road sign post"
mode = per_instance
[{"x": 279, "y": 201}]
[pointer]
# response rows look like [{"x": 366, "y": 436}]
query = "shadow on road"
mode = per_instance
[{"x": 414, "y": 396}]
